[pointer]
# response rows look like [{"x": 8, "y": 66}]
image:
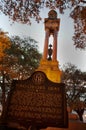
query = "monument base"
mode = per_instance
[{"x": 51, "y": 69}]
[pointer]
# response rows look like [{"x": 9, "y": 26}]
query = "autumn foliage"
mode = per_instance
[
  {"x": 24, "y": 10},
  {"x": 4, "y": 43}
]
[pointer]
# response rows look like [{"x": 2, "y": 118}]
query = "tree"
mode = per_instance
[
  {"x": 25, "y": 51},
  {"x": 75, "y": 82},
  {"x": 78, "y": 14},
  {"x": 21, "y": 60},
  {"x": 24, "y": 10},
  {"x": 4, "y": 45}
]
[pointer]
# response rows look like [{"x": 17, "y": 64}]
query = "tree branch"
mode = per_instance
[{"x": 83, "y": 1}]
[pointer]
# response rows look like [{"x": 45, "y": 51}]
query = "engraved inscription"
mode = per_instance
[
  {"x": 39, "y": 101},
  {"x": 31, "y": 102}
]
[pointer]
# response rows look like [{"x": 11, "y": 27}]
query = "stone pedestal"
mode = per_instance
[{"x": 51, "y": 69}]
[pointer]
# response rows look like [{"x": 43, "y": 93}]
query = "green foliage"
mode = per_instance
[
  {"x": 25, "y": 51},
  {"x": 21, "y": 60}
]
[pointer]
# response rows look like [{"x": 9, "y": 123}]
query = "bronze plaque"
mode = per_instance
[{"x": 37, "y": 101}]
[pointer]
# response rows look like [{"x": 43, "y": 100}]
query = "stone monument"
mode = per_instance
[{"x": 49, "y": 64}]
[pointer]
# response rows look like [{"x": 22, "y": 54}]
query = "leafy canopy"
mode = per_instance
[
  {"x": 25, "y": 52},
  {"x": 4, "y": 43},
  {"x": 19, "y": 61},
  {"x": 75, "y": 82},
  {"x": 24, "y": 10}
]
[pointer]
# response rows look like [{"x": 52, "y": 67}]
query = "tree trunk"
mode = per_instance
[
  {"x": 80, "y": 112},
  {"x": 3, "y": 91}
]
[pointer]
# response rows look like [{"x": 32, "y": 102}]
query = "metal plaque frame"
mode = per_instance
[{"x": 36, "y": 101}]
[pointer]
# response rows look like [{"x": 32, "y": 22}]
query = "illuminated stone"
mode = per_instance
[{"x": 51, "y": 67}]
